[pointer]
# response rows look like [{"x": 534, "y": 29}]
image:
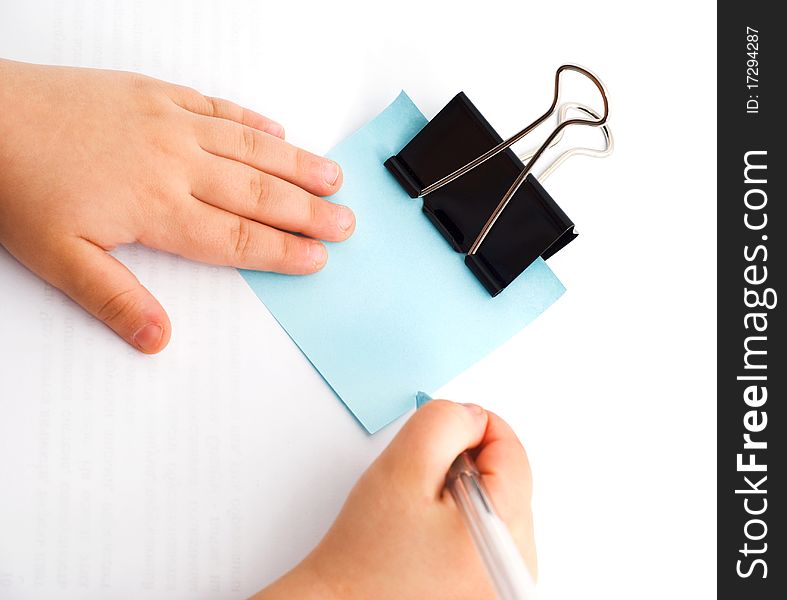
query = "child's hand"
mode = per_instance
[
  {"x": 400, "y": 534},
  {"x": 91, "y": 159}
]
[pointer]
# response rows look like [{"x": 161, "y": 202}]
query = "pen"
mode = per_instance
[
  {"x": 507, "y": 570},
  {"x": 506, "y": 567}
]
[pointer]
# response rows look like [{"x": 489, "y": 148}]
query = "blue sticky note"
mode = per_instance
[
  {"x": 395, "y": 309},
  {"x": 422, "y": 398}
]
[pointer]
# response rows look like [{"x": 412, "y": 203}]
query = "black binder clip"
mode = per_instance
[{"x": 489, "y": 205}]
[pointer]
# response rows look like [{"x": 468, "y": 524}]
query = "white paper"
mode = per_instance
[
  {"x": 132, "y": 476},
  {"x": 219, "y": 463}
]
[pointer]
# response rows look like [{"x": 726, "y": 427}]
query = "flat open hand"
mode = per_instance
[{"x": 92, "y": 159}]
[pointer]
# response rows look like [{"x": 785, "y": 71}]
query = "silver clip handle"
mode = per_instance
[
  {"x": 596, "y": 122},
  {"x": 609, "y": 143}
]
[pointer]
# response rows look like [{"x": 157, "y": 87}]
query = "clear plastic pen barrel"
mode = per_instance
[{"x": 507, "y": 569}]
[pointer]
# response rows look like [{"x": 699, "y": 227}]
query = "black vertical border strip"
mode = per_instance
[{"x": 739, "y": 132}]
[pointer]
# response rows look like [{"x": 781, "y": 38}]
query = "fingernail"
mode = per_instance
[
  {"x": 344, "y": 218},
  {"x": 318, "y": 254},
  {"x": 275, "y": 129},
  {"x": 148, "y": 338},
  {"x": 476, "y": 410},
  {"x": 330, "y": 172}
]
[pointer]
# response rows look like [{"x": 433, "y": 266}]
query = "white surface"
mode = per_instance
[{"x": 208, "y": 470}]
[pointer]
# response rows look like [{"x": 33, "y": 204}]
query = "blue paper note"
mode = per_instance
[
  {"x": 422, "y": 398},
  {"x": 395, "y": 309}
]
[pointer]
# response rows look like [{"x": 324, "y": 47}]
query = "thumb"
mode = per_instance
[
  {"x": 104, "y": 287},
  {"x": 429, "y": 442}
]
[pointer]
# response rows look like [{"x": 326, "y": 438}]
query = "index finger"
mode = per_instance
[
  {"x": 502, "y": 461},
  {"x": 219, "y": 108},
  {"x": 315, "y": 174},
  {"x": 505, "y": 471}
]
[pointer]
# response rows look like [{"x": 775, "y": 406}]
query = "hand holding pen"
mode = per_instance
[{"x": 400, "y": 534}]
